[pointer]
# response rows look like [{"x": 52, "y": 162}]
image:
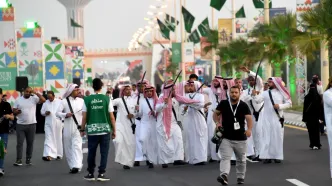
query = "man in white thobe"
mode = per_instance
[
  {"x": 255, "y": 110},
  {"x": 197, "y": 133},
  {"x": 216, "y": 94},
  {"x": 270, "y": 125},
  {"x": 72, "y": 139},
  {"x": 125, "y": 141},
  {"x": 169, "y": 135},
  {"x": 53, "y": 148},
  {"x": 148, "y": 132},
  {"x": 327, "y": 98},
  {"x": 139, "y": 97}
]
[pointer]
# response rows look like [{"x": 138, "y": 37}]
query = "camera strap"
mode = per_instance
[
  {"x": 71, "y": 110},
  {"x": 234, "y": 112}
]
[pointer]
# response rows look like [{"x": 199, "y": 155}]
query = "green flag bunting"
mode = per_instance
[
  {"x": 171, "y": 19},
  {"x": 171, "y": 22},
  {"x": 74, "y": 24},
  {"x": 260, "y": 3},
  {"x": 176, "y": 53},
  {"x": 217, "y": 4},
  {"x": 204, "y": 27},
  {"x": 163, "y": 29},
  {"x": 240, "y": 13},
  {"x": 188, "y": 19},
  {"x": 194, "y": 37}
]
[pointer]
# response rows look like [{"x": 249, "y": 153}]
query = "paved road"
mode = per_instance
[{"x": 308, "y": 166}]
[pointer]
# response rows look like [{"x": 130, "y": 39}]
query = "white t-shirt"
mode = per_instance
[
  {"x": 28, "y": 110},
  {"x": 320, "y": 89}
]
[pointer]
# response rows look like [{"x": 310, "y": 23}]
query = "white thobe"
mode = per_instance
[
  {"x": 72, "y": 139},
  {"x": 197, "y": 132},
  {"x": 53, "y": 129},
  {"x": 211, "y": 125},
  {"x": 327, "y": 97},
  {"x": 124, "y": 143},
  {"x": 271, "y": 133},
  {"x": 139, "y": 153},
  {"x": 169, "y": 149},
  {"x": 148, "y": 139}
]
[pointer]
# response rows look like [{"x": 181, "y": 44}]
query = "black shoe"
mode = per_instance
[
  {"x": 277, "y": 161},
  {"x": 74, "y": 171},
  {"x": 200, "y": 163},
  {"x": 151, "y": 166},
  {"x": 2, "y": 172},
  {"x": 101, "y": 177},
  {"x": 212, "y": 161},
  {"x": 136, "y": 164},
  {"x": 240, "y": 181},
  {"x": 233, "y": 162},
  {"x": 256, "y": 159},
  {"x": 179, "y": 162},
  {"x": 47, "y": 158},
  {"x": 126, "y": 167},
  {"x": 147, "y": 163},
  {"x": 89, "y": 177},
  {"x": 267, "y": 161},
  {"x": 18, "y": 163},
  {"x": 223, "y": 179},
  {"x": 28, "y": 162},
  {"x": 164, "y": 166},
  {"x": 58, "y": 158}
]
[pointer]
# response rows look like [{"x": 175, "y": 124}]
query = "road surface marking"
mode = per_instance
[
  {"x": 85, "y": 150},
  {"x": 297, "y": 182},
  {"x": 295, "y": 127}
]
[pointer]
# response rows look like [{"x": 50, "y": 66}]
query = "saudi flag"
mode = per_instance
[
  {"x": 176, "y": 53},
  {"x": 171, "y": 22},
  {"x": 240, "y": 13},
  {"x": 163, "y": 29},
  {"x": 194, "y": 37},
  {"x": 217, "y": 4},
  {"x": 260, "y": 3},
  {"x": 188, "y": 19},
  {"x": 204, "y": 27}
]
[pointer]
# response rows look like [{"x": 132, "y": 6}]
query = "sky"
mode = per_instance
[{"x": 112, "y": 23}]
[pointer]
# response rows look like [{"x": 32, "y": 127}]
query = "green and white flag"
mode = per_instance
[
  {"x": 188, "y": 19},
  {"x": 176, "y": 53},
  {"x": 240, "y": 13},
  {"x": 204, "y": 27},
  {"x": 74, "y": 24},
  {"x": 217, "y": 4},
  {"x": 163, "y": 29},
  {"x": 260, "y": 3},
  {"x": 194, "y": 37},
  {"x": 171, "y": 22}
]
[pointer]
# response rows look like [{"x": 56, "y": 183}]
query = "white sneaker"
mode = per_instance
[
  {"x": 2, "y": 172},
  {"x": 315, "y": 148}
]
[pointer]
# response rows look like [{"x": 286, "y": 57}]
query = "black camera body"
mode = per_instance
[{"x": 217, "y": 138}]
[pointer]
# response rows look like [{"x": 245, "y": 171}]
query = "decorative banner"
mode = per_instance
[
  {"x": 303, "y": 6},
  {"x": 241, "y": 25},
  {"x": 225, "y": 30},
  {"x": 75, "y": 55},
  {"x": 190, "y": 67},
  {"x": 29, "y": 55},
  {"x": 188, "y": 55},
  {"x": 204, "y": 55},
  {"x": 276, "y": 12},
  {"x": 8, "y": 60},
  {"x": 159, "y": 63},
  {"x": 89, "y": 77},
  {"x": 54, "y": 68},
  {"x": 176, "y": 53}
]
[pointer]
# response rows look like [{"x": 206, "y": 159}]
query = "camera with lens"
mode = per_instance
[{"x": 217, "y": 138}]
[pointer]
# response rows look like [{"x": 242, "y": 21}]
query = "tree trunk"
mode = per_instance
[
  {"x": 277, "y": 69},
  {"x": 292, "y": 81},
  {"x": 324, "y": 63}
]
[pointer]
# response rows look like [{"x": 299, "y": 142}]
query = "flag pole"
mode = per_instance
[
  {"x": 182, "y": 3},
  {"x": 233, "y": 29},
  {"x": 176, "y": 19},
  {"x": 268, "y": 68},
  {"x": 214, "y": 65}
]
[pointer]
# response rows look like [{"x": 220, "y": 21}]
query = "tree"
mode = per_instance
[
  {"x": 318, "y": 35},
  {"x": 278, "y": 40}
]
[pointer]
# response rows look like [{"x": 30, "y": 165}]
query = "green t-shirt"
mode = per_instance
[{"x": 98, "y": 119}]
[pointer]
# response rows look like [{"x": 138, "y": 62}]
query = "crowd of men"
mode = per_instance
[{"x": 186, "y": 123}]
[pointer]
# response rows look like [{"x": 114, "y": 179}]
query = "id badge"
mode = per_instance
[{"x": 236, "y": 126}]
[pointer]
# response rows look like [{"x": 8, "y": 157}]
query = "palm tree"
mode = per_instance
[
  {"x": 318, "y": 35},
  {"x": 278, "y": 40}
]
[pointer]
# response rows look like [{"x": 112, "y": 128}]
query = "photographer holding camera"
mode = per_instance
[{"x": 234, "y": 113}]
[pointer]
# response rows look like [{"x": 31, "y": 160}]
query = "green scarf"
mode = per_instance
[{"x": 2, "y": 149}]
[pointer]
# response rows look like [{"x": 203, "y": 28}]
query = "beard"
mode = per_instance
[
  {"x": 217, "y": 86},
  {"x": 271, "y": 87},
  {"x": 234, "y": 100},
  {"x": 27, "y": 96}
]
